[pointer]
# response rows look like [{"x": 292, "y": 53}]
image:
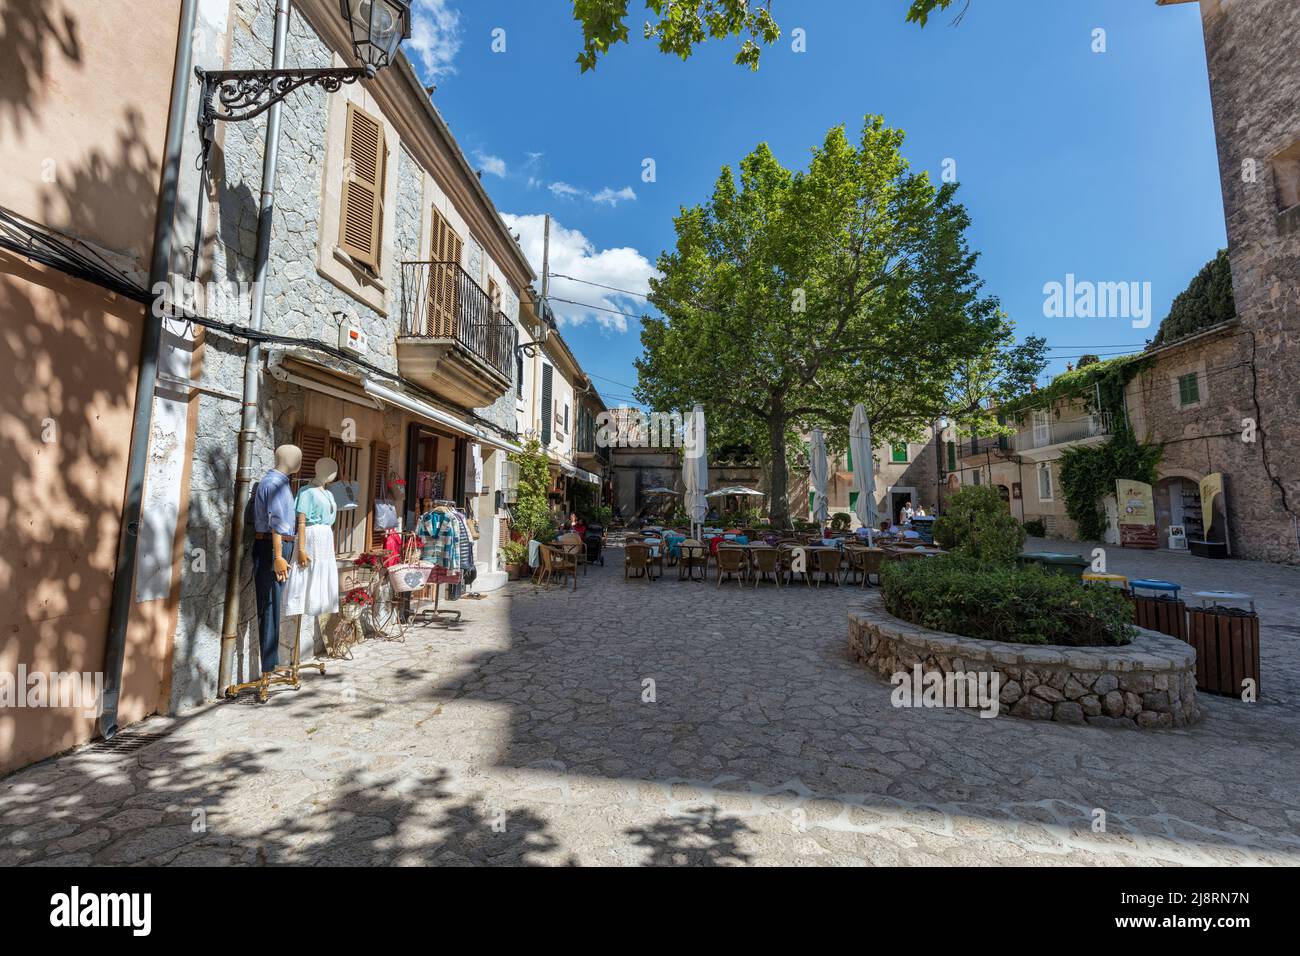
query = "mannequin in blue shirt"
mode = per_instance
[{"x": 274, "y": 524}]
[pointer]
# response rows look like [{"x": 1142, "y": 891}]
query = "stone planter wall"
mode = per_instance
[{"x": 1149, "y": 683}]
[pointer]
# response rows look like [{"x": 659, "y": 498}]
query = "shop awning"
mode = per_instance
[
  {"x": 296, "y": 369},
  {"x": 588, "y": 476},
  {"x": 435, "y": 415}
]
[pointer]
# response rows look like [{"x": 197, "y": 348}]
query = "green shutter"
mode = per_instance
[
  {"x": 952, "y": 456},
  {"x": 546, "y": 405},
  {"x": 853, "y": 500},
  {"x": 850, "y": 460}
]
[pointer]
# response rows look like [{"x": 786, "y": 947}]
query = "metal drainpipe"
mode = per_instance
[
  {"x": 252, "y": 361},
  {"x": 128, "y": 539}
]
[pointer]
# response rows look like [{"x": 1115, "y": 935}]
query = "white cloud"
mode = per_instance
[
  {"x": 435, "y": 37},
  {"x": 608, "y": 195},
  {"x": 492, "y": 165},
  {"x": 573, "y": 254}
]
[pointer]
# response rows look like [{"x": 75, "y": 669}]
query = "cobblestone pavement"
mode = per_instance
[{"x": 522, "y": 736}]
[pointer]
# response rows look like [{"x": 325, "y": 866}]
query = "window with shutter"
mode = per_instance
[
  {"x": 361, "y": 216},
  {"x": 378, "y": 489},
  {"x": 444, "y": 251},
  {"x": 315, "y": 445},
  {"x": 546, "y": 405}
]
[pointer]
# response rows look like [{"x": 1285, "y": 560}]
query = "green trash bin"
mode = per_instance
[{"x": 1070, "y": 565}]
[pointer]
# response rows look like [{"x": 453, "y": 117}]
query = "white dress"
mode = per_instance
[{"x": 314, "y": 589}]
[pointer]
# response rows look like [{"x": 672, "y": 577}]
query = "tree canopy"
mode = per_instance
[
  {"x": 1207, "y": 301},
  {"x": 679, "y": 26},
  {"x": 791, "y": 296}
]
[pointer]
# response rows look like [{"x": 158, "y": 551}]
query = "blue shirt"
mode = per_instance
[{"x": 273, "y": 505}]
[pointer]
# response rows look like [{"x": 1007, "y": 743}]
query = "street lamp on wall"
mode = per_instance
[{"x": 376, "y": 28}]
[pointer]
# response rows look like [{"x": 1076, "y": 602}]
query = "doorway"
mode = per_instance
[
  {"x": 899, "y": 498},
  {"x": 434, "y": 468}
]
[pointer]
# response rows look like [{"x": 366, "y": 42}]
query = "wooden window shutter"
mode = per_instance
[
  {"x": 315, "y": 445},
  {"x": 445, "y": 248},
  {"x": 361, "y": 216},
  {"x": 378, "y": 490},
  {"x": 546, "y": 405}
]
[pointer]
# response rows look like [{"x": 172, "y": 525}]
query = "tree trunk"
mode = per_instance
[{"x": 779, "y": 510}]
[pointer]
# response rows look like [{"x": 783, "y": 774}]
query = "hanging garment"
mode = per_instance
[
  {"x": 441, "y": 535},
  {"x": 466, "y": 552},
  {"x": 393, "y": 545}
]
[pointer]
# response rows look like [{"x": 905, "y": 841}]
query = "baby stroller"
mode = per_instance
[{"x": 595, "y": 542}]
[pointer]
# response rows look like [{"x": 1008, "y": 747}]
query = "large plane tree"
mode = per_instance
[{"x": 790, "y": 296}]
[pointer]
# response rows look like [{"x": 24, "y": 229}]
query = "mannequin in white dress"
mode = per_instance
[{"x": 313, "y": 586}]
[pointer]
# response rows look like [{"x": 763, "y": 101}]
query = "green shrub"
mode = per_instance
[
  {"x": 514, "y": 552},
  {"x": 976, "y": 524},
  {"x": 1000, "y": 602},
  {"x": 840, "y": 521},
  {"x": 531, "y": 514},
  {"x": 1035, "y": 528}
]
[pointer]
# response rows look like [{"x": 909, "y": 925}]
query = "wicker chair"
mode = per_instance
[
  {"x": 826, "y": 563},
  {"x": 733, "y": 562},
  {"x": 767, "y": 561},
  {"x": 854, "y": 555},
  {"x": 638, "y": 559},
  {"x": 786, "y": 552},
  {"x": 573, "y": 546},
  {"x": 694, "y": 555},
  {"x": 556, "y": 562}
]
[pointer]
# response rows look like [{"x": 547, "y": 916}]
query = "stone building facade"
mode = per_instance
[
  {"x": 1192, "y": 400},
  {"x": 1250, "y": 48},
  {"x": 431, "y": 202}
]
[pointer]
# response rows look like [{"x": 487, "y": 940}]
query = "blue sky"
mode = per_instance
[{"x": 1097, "y": 164}]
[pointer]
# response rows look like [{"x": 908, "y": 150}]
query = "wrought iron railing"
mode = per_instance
[
  {"x": 441, "y": 302},
  {"x": 1048, "y": 430}
]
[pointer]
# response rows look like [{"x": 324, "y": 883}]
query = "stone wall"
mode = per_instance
[
  {"x": 1149, "y": 683},
  {"x": 1250, "y": 48},
  {"x": 300, "y": 301}
]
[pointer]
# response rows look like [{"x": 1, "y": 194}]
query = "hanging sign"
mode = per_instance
[{"x": 1137, "y": 514}]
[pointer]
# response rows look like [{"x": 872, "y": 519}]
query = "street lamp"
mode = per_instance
[{"x": 376, "y": 27}]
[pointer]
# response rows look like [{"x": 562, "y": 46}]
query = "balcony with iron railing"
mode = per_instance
[
  {"x": 454, "y": 339},
  {"x": 983, "y": 445},
  {"x": 1044, "y": 433}
]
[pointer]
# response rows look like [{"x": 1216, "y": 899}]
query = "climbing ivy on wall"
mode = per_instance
[{"x": 1089, "y": 473}]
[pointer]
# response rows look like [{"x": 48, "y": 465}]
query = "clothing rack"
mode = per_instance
[{"x": 430, "y": 615}]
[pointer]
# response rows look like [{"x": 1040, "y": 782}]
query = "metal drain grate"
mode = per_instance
[{"x": 125, "y": 743}]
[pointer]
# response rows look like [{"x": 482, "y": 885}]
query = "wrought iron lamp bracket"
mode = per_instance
[{"x": 233, "y": 96}]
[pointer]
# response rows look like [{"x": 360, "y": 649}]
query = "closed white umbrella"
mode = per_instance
[
  {"x": 695, "y": 469},
  {"x": 817, "y": 465},
  {"x": 864, "y": 479}
]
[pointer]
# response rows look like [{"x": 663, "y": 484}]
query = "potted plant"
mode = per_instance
[{"x": 515, "y": 556}]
